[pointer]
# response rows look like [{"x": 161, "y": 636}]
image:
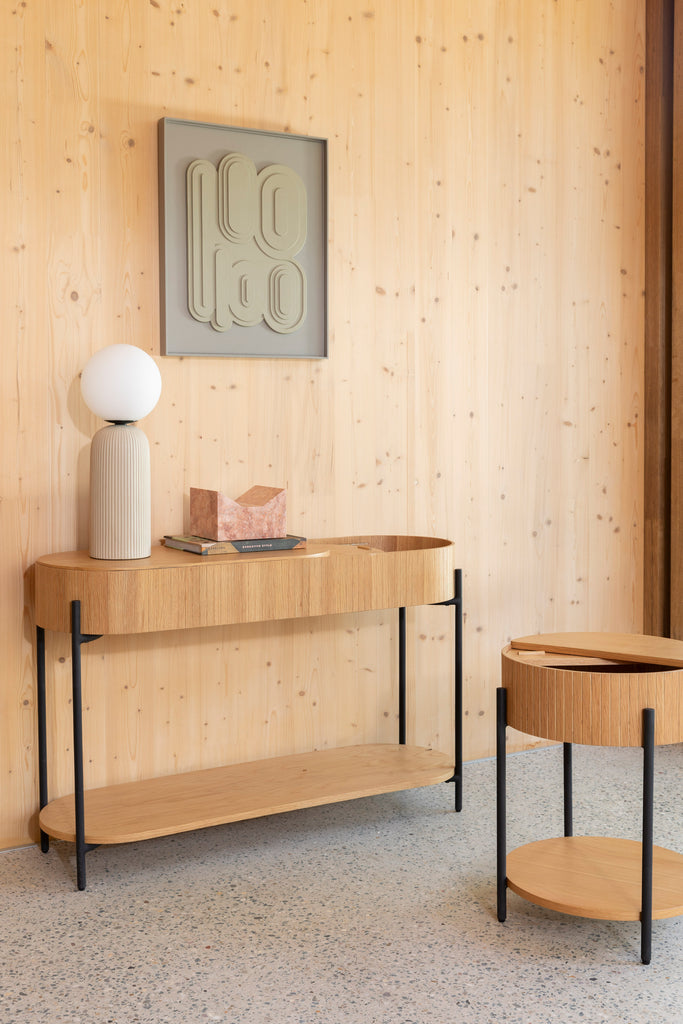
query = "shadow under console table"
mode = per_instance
[{"x": 174, "y": 590}]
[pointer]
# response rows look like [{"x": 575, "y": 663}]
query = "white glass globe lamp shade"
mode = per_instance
[{"x": 121, "y": 384}]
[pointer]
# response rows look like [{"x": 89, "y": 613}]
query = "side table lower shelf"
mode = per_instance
[
  {"x": 133, "y": 811},
  {"x": 595, "y": 876}
]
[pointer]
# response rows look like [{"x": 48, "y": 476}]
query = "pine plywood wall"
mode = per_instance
[{"x": 485, "y": 373}]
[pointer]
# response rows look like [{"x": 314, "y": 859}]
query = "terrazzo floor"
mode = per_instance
[{"x": 376, "y": 911}]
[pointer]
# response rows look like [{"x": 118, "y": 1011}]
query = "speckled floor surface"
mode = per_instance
[{"x": 378, "y": 911}]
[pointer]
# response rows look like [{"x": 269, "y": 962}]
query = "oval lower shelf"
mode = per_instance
[
  {"x": 594, "y": 876},
  {"x": 214, "y": 796}
]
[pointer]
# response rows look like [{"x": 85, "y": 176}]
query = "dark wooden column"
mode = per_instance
[
  {"x": 676, "y": 611},
  {"x": 658, "y": 313}
]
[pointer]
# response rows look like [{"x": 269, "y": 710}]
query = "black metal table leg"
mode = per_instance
[
  {"x": 568, "y": 815},
  {"x": 501, "y": 838},
  {"x": 456, "y": 603},
  {"x": 77, "y": 711},
  {"x": 77, "y": 640},
  {"x": 648, "y": 834},
  {"x": 458, "y": 689},
  {"x": 42, "y": 729},
  {"x": 402, "y": 676}
]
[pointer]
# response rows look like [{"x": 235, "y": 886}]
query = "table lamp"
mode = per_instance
[{"x": 121, "y": 384}]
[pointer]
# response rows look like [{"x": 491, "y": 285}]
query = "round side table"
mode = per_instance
[{"x": 602, "y": 689}]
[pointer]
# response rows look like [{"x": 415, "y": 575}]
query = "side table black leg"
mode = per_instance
[
  {"x": 648, "y": 833},
  {"x": 42, "y": 729},
  {"x": 402, "y": 676},
  {"x": 567, "y": 765},
  {"x": 501, "y": 838}
]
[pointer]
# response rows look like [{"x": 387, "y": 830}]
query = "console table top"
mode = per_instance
[{"x": 178, "y": 590}]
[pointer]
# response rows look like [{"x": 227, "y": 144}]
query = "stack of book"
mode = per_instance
[{"x": 202, "y": 546}]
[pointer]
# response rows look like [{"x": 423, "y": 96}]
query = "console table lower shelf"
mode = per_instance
[{"x": 133, "y": 811}]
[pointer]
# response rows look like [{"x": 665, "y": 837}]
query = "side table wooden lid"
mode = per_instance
[
  {"x": 636, "y": 647},
  {"x": 592, "y": 688}
]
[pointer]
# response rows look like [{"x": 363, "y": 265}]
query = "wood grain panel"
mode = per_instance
[{"x": 485, "y": 376}]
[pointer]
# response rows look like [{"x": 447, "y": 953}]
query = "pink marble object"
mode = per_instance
[{"x": 261, "y": 512}]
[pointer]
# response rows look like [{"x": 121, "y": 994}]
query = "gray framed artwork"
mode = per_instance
[{"x": 243, "y": 242}]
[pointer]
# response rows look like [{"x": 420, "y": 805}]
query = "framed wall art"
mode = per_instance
[{"x": 243, "y": 240}]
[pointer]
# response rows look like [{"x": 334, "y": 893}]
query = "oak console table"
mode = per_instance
[
  {"x": 601, "y": 689},
  {"x": 175, "y": 590}
]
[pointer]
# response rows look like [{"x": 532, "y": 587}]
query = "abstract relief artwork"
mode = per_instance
[
  {"x": 244, "y": 228},
  {"x": 243, "y": 232}
]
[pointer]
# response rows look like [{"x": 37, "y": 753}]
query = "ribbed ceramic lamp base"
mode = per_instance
[{"x": 120, "y": 493}]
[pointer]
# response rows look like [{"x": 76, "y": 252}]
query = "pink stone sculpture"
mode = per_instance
[{"x": 261, "y": 512}]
